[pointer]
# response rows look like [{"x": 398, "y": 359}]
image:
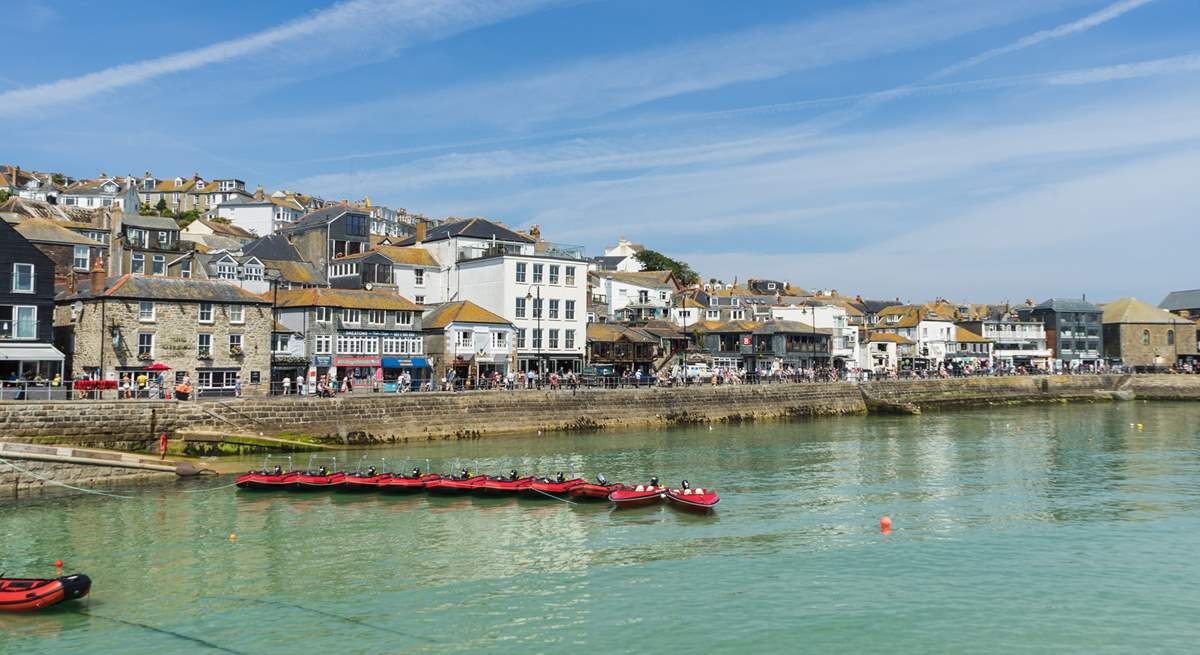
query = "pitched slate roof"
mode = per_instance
[
  {"x": 226, "y": 229},
  {"x": 322, "y": 216},
  {"x": 648, "y": 279},
  {"x": 347, "y": 298},
  {"x": 18, "y": 207},
  {"x": 40, "y": 230},
  {"x": 1132, "y": 310},
  {"x": 137, "y": 287},
  {"x": 295, "y": 272},
  {"x": 1177, "y": 300},
  {"x": 463, "y": 311},
  {"x": 888, "y": 336},
  {"x": 477, "y": 228},
  {"x": 1067, "y": 305},
  {"x": 149, "y": 222},
  {"x": 397, "y": 255},
  {"x": 963, "y": 335},
  {"x": 611, "y": 332},
  {"x": 273, "y": 246}
]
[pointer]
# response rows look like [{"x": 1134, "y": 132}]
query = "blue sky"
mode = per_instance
[{"x": 974, "y": 150}]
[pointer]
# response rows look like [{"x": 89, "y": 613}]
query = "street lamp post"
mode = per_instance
[{"x": 538, "y": 315}]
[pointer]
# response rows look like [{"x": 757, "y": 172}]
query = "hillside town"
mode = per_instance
[{"x": 191, "y": 287}]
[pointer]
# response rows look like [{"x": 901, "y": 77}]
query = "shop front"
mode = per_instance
[
  {"x": 362, "y": 370},
  {"x": 394, "y": 367}
]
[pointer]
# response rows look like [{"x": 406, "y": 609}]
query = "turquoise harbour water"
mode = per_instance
[{"x": 1033, "y": 529}]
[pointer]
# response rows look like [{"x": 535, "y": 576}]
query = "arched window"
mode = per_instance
[
  {"x": 1170, "y": 337},
  {"x": 1145, "y": 337}
]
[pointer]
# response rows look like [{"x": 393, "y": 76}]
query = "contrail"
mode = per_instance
[{"x": 1084, "y": 24}]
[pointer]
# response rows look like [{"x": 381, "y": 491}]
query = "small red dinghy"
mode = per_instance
[
  {"x": 321, "y": 474},
  {"x": 503, "y": 485},
  {"x": 266, "y": 478},
  {"x": 696, "y": 500},
  {"x": 366, "y": 478},
  {"x": 461, "y": 483},
  {"x": 600, "y": 490},
  {"x": 638, "y": 495},
  {"x": 558, "y": 486},
  {"x": 22, "y": 595},
  {"x": 412, "y": 482},
  {"x": 262, "y": 480}
]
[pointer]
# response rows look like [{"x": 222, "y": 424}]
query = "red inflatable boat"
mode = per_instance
[
  {"x": 696, "y": 500},
  {"x": 19, "y": 595},
  {"x": 364, "y": 481},
  {"x": 314, "y": 480},
  {"x": 262, "y": 480},
  {"x": 463, "y": 483},
  {"x": 406, "y": 484},
  {"x": 638, "y": 495},
  {"x": 502, "y": 485},
  {"x": 558, "y": 487},
  {"x": 594, "y": 491}
]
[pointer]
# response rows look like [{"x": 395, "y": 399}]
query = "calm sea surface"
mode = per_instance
[{"x": 1038, "y": 529}]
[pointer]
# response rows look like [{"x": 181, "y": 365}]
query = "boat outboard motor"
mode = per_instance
[
  {"x": 602, "y": 480},
  {"x": 416, "y": 472},
  {"x": 322, "y": 471},
  {"x": 653, "y": 482},
  {"x": 686, "y": 485},
  {"x": 371, "y": 472},
  {"x": 463, "y": 474},
  {"x": 560, "y": 478},
  {"x": 278, "y": 470}
]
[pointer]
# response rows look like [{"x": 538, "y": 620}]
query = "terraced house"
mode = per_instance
[
  {"x": 365, "y": 335},
  {"x": 215, "y": 333}
]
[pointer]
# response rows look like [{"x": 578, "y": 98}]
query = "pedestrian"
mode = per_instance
[
  {"x": 287, "y": 385},
  {"x": 124, "y": 392},
  {"x": 237, "y": 386},
  {"x": 162, "y": 445},
  {"x": 141, "y": 383}
]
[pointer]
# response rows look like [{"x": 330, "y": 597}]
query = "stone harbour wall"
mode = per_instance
[{"x": 376, "y": 418}]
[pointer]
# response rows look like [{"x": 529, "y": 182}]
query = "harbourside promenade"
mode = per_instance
[{"x": 294, "y": 423}]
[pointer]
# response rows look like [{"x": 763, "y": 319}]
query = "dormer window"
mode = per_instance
[{"x": 893, "y": 318}]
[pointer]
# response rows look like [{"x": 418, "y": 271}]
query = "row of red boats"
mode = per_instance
[{"x": 372, "y": 479}]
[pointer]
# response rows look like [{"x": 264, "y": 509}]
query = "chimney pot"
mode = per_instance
[
  {"x": 97, "y": 276},
  {"x": 420, "y": 232}
]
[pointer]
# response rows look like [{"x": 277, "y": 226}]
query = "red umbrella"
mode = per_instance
[{"x": 158, "y": 367}]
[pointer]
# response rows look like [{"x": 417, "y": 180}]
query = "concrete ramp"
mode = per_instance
[{"x": 89, "y": 457}]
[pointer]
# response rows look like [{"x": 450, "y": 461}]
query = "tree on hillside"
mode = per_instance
[
  {"x": 184, "y": 219},
  {"x": 653, "y": 260}
]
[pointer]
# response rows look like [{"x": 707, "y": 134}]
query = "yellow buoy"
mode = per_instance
[{"x": 232, "y": 537}]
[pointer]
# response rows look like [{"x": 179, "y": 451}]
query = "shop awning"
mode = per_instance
[
  {"x": 407, "y": 362},
  {"x": 29, "y": 352}
]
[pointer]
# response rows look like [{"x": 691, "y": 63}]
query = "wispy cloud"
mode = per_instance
[
  {"x": 1167, "y": 66},
  {"x": 595, "y": 87},
  {"x": 1084, "y": 24},
  {"x": 384, "y": 25}
]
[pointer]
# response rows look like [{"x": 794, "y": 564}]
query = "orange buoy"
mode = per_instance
[
  {"x": 885, "y": 524},
  {"x": 58, "y": 564}
]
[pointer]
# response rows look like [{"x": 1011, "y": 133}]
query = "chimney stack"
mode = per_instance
[
  {"x": 258, "y": 193},
  {"x": 71, "y": 282},
  {"x": 97, "y": 276},
  {"x": 420, "y": 232}
]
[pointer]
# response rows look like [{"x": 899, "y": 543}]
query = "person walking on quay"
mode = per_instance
[
  {"x": 124, "y": 390},
  {"x": 287, "y": 385},
  {"x": 141, "y": 384},
  {"x": 237, "y": 386}
]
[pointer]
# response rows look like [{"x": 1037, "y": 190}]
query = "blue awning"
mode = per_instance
[{"x": 406, "y": 362}]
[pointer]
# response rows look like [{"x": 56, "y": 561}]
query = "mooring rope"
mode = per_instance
[{"x": 569, "y": 502}]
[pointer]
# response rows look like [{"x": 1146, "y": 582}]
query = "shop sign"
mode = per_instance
[
  {"x": 356, "y": 361},
  {"x": 323, "y": 360}
]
